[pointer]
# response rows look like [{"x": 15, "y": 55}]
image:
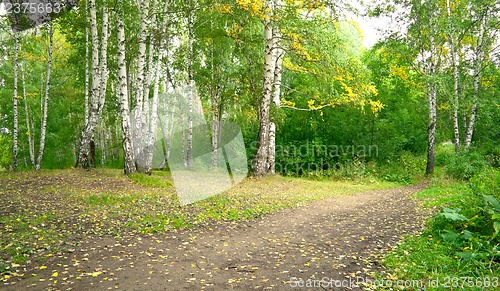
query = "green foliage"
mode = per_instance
[
  {"x": 466, "y": 165},
  {"x": 405, "y": 168},
  {"x": 486, "y": 182},
  {"x": 5, "y": 151}
]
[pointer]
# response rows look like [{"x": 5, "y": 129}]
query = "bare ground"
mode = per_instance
[{"x": 336, "y": 239}]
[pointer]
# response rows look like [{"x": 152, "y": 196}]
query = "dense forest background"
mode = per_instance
[{"x": 339, "y": 109}]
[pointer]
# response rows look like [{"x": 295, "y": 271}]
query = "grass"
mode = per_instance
[
  {"x": 43, "y": 213},
  {"x": 427, "y": 257}
]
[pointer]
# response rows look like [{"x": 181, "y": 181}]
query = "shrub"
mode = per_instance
[{"x": 466, "y": 165}]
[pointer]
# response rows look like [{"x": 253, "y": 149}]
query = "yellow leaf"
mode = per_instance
[
  {"x": 43, "y": 267},
  {"x": 55, "y": 274}
]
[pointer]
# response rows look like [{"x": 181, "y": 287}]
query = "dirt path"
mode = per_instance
[{"x": 328, "y": 240}]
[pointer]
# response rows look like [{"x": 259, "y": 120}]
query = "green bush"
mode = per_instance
[
  {"x": 466, "y": 165},
  {"x": 486, "y": 182},
  {"x": 406, "y": 168},
  {"x": 472, "y": 227},
  {"x": 5, "y": 152}
]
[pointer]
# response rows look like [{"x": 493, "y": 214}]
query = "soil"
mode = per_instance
[{"x": 329, "y": 244}]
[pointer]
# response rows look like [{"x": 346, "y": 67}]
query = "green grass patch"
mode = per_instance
[
  {"x": 157, "y": 179},
  {"x": 442, "y": 192}
]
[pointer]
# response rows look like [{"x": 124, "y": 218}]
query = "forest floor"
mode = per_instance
[{"x": 326, "y": 241}]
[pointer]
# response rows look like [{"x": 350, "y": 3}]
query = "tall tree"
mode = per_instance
[
  {"x": 455, "y": 63},
  {"x": 139, "y": 84},
  {"x": 29, "y": 129},
  {"x": 122, "y": 90},
  {"x": 45, "y": 99},
  {"x": 15, "y": 99},
  {"x": 98, "y": 90},
  {"x": 260, "y": 163}
]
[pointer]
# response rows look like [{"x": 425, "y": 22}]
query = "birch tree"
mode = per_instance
[
  {"x": 123, "y": 98},
  {"x": 189, "y": 138},
  {"x": 260, "y": 163},
  {"x": 139, "y": 83},
  {"x": 487, "y": 34},
  {"x": 424, "y": 37},
  {"x": 15, "y": 101},
  {"x": 29, "y": 129},
  {"x": 98, "y": 90},
  {"x": 455, "y": 63},
  {"x": 279, "y": 53},
  {"x": 45, "y": 100}
]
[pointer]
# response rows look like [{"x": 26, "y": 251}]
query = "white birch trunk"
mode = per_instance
[
  {"x": 456, "y": 80},
  {"x": 103, "y": 64},
  {"x": 432, "y": 101},
  {"x": 14, "y": 105},
  {"x": 278, "y": 73},
  {"x": 45, "y": 101},
  {"x": 87, "y": 77},
  {"x": 272, "y": 148},
  {"x": 123, "y": 97},
  {"x": 86, "y": 153},
  {"x": 478, "y": 60},
  {"x": 189, "y": 138},
  {"x": 260, "y": 163},
  {"x": 139, "y": 82},
  {"x": 31, "y": 138}
]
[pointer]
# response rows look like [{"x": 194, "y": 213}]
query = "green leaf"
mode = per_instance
[
  {"x": 449, "y": 236},
  {"x": 491, "y": 199},
  {"x": 466, "y": 256},
  {"x": 496, "y": 226},
  {"x": 453, "y": 214}
]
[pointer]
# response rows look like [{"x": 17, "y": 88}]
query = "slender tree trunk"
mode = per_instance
[
  {"x": 431, "y": 96},
  {"x": 139, "y": 83},
  {"x": 189, "y": 141},
  {"x": 45, "y": 102},
  {"x": 122, "y": 90},
  {"x": 154, "y": 119},
  {"x": 478, "y": 59},
  {"x": 272, "y": 148},
  {"x": 86, "y": 142},
  {"x": 456, "y": 80},
  {"x": 431, "y": 130},
  {"x": 215, "y": 126},
  {"x": 31, "y": 143},
  {"x": 15, "y": 99},
  {"x": 278, "y": 73},
  {"x": 87, "y": 77},
  {"x": 260, "y": 163},
  {"x": 146, "y": 110}
]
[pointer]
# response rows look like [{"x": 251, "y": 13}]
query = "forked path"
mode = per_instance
[{"x": 330, "y": 240}]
